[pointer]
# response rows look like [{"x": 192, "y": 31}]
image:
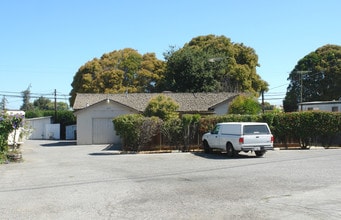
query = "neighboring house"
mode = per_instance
[
  {"x": 329, "y": 106},
  {"x": 42, "y": 129},
  {"x": 95, "y": 112}
]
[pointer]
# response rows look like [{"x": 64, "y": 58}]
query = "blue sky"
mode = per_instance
[{"x": 43, "y": 43}]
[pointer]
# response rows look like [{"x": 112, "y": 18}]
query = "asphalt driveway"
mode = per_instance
[{"x": 60, "y": 180}]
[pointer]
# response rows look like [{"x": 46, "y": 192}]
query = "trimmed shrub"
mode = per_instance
[
  {"x": 128, "y": 128},
  {"x": 149, "y": 128},
  {"x": 163, "y": 107},
  {"x": 190, "y": 125},
  {"x": 172, "y": 132}
]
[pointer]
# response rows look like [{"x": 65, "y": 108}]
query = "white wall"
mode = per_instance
[
  {"x": 52, "y": 131},
  {"x": 38, "y": 127},
  {"x": 221, "y": 109},
  {"x": 70, "y": 132}
]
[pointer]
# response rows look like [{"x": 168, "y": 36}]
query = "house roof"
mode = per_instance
[{"x": 188, "y": 102}]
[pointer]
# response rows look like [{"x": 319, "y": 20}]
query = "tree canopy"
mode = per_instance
[
  {"x": 316, "y": 77},
  {"x": 117, "y": 72},
  {"x": 212, "y": 64},
  {"x": 244, "y": 105},
  {"x": 43, "y": 103},
  {"x": 205, "y": 64}
]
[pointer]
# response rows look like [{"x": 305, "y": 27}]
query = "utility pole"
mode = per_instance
[
  {"x": 301, "y": 83},
  {"x": 55, "y": 105},
  {"x": 263, "y": 101}
]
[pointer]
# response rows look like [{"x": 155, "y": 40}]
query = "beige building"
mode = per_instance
[
  {"x": 95, "y": 112},
  {"x": 328, "y": 106}
]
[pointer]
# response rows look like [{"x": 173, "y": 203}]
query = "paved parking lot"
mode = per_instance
[{"x": 64, "y": 181}]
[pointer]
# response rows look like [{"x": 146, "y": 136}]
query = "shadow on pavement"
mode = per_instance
[
  {"x": 111, "y": 149},
  {"x": 216, "y": 155},
  {"x": 60, "y": 144}
]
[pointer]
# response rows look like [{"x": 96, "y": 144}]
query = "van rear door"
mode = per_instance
[{"x": 257, "y": 135}]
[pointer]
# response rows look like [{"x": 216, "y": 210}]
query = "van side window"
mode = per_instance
[
  {"x": 256, "y": 129},
  {"x": 215, "y": 129}
]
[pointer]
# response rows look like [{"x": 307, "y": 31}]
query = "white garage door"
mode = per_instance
[{"x": 103, "y": 131}]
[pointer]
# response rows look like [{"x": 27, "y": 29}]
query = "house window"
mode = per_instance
[
  {"x": 335, "y": 109},
  {"x": 310, "y": 108}
]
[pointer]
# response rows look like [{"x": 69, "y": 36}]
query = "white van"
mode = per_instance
[{"x": 234, "y": 137}]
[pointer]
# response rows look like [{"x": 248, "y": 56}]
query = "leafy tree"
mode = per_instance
[
  {"x": 43, "y": 103},
  {"x": 117, "y": 72},
  {"x": 60, "y": 106},
  {"x": 163, "y": 107},
  {"x": 244, "y": 105},
  {"x": 212, "y": 63},
  {"x": 317, "y": 76}
]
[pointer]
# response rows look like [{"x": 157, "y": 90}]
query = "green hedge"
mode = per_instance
[
  {"x": 301, "y": 127},
  {"x": 305, "y": 128}
]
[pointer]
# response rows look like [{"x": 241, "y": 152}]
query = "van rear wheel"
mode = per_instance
[
  {"x": 259, "y": 153},
  {"x": 230, "y": 150}
]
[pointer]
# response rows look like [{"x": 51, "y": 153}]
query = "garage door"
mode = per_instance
[{"x": 103, "y": 131}]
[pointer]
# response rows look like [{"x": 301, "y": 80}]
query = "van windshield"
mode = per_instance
[
  {"x": 256, "y": 129},
  {"x": 215, "y": 129}
]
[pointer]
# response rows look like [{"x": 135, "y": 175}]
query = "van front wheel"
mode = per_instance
[{"x": 207, "y": 148}]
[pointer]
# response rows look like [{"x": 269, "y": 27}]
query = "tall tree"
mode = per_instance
[
  {"x": 316, "y": 77},
  {"x": 3, "y": 103},
  {"x": 26, "y": 95},
  {"x": 212, "y": 63},
  {"x": 117, "y": 72}
]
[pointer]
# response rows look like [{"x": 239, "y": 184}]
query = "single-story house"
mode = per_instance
[
  {"x": 329, "y": 106},
  {"x": 94, "y": 112}
]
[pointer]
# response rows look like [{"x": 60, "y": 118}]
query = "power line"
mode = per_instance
[{"x": 279, "y": 86}]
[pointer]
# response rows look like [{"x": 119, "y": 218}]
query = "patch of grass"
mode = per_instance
[{"x": 3, "y": 158}]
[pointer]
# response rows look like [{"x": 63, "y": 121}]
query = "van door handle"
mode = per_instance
[{"x": 257, "y": 136}]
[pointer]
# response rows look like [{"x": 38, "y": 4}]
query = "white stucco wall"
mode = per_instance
[
  {"x": 221, "y": 109},
  {"x": 100, "y": 111},
  {"x": 52, "y": 131},
  {"x": 38, "y": 127}
]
